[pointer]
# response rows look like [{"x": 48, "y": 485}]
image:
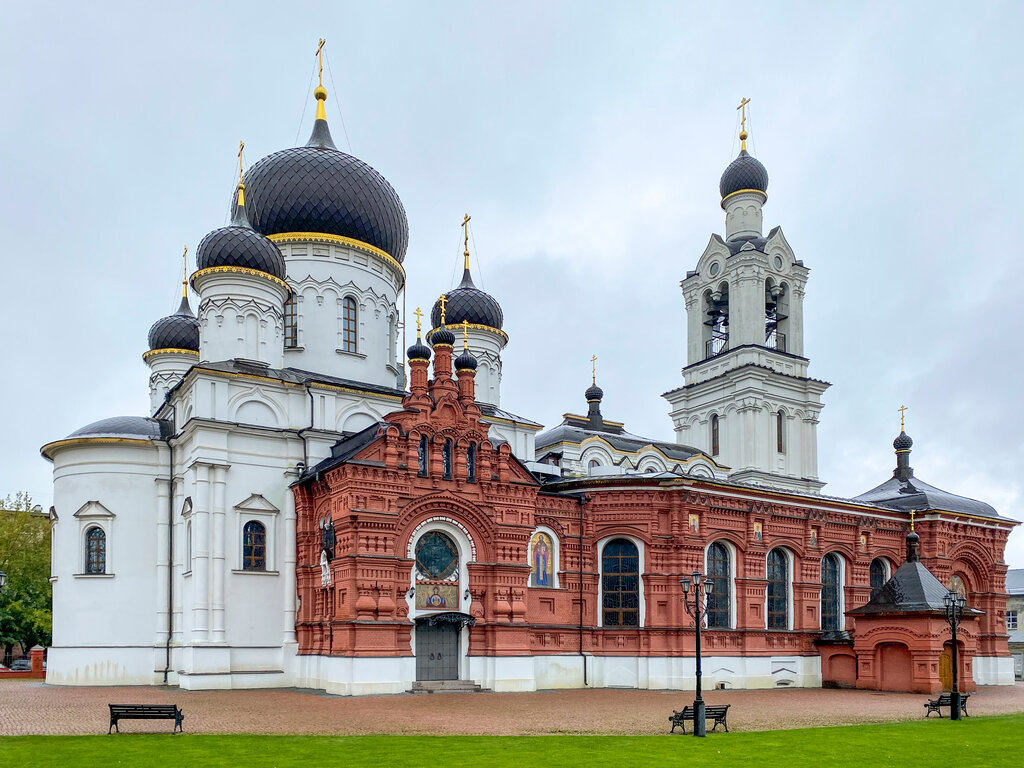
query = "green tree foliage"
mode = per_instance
[{"x": 26, "y": 616}]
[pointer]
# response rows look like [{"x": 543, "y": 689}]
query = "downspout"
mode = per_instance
[
  {"x": 170, "y": 553},
  {"x": 305, "y": 449}
]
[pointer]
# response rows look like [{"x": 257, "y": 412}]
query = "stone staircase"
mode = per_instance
[{"x": 445, "y": 686}]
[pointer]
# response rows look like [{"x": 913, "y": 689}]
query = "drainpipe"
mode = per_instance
[
  {"x": 305, "y": 449},
  {"x": 170, "y": 553}
]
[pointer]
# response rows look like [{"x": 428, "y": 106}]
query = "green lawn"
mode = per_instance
[{"x": 978, "y": 741}]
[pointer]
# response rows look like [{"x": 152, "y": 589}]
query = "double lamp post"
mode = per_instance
[
  {"x": 954, "y": 603},
  {"x": 702, "y": 587}
]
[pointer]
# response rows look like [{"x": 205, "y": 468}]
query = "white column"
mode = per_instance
[
  {"x": 201, "y": 555},
  {"x": 218, "y": 562},
  {"x": 163, "y": 615}
]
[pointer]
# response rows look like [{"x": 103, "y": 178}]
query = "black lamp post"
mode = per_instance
[
  {"x": 954, "y": 603},
  {"x": 696, "y": 579}
]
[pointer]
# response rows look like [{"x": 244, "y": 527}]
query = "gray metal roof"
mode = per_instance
[
  {"x": 1015, "y": 581},
  {"x": 621, "y": 441},
  {"x": 917, "y": 495},
  {"x": 912, "y": 589},
  {"x": 122, "y": 426}
]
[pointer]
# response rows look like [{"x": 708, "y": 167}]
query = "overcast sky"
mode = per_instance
[{"x": 587, "y": 141}]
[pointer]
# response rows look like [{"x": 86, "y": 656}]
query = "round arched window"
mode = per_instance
[{"x": 437, "y": 556}]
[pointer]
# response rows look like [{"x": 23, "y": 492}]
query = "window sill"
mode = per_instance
[
  {"x": 360, "y": 355},
  {"x": 93, "y": 575},
  {"x": 294, "y": 349},
  {"x": 255, "y": 573},
  {"x": 186, "y": 573}
]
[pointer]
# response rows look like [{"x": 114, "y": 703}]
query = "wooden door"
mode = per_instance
[{"x": 946, "y": 668}]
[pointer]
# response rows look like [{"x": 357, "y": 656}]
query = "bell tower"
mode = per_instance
[{"x": 746, "y": 398}]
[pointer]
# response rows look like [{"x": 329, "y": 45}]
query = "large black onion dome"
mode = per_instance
[
  {"x": 318, "y": 188},
  {"x": 465, "y": 361},
  {"x": 177, "y": 331},
  {"x": 594, "y": 393},
  {"x": 239, "y": 245},
  {"x": 419, "y": 350},
  {"x": 442, "y": 336},
  {"x": 468, "y": 303},
  {"x": 902, "y": 442},
  {"x": 745, "y": 172}
]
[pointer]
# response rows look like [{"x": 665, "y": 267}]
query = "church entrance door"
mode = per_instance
[
  {"x": 437, "y": 651},
  {"x": 946, "y": 668}
]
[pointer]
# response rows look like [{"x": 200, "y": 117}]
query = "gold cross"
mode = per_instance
[
  {"x": 241, "y": 146},
  {"x": 465, "y": 229},
  {"x": 465, "y": 334},
  {"x": 911, "y": 519},
  {"x": 743, "y": 114},
  {"x": 902, "y": 409},
  {"x": 418, "y": 314},
  {"x": 320, "y": 59},
  {"x": 443, "y": 301},
  {"x": 593, "y": 370},
  {"x": 184, "y": 272}
]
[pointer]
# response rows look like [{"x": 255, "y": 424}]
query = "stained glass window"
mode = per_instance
[
  {"x": 830, "y": 592},
  {"x": 423, "y": 456},
  {"x": 778, "y": 590},
  {"x": 95, "y": 550},
  {"x": 718, "y": 609},
  {"x": 471, "y": 462},
  {"x": 254, "y": 547},
  {"x": 878, "y": 575},
  {"x": 620, "y": 584},
  {"x": 446, "y": 458},
  {"x": 349, "y": 325},
  {"x": 437, "y": 556}
]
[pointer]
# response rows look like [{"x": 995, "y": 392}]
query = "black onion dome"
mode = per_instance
[
  {"x": 465, "y": 361},
  {"x": 442, "y": 336},
  {"x": 121, "y": 426},
  {"x": 318, "y": 188},
  {"x": 418, "y": 351},
  {"x": 177, "y": 331},
  {"x": 239, "y": 245},
  {"x": 468, "y": 303},
  {"x": 593, "y": 393},
  {"x": 903, "y": 442},
  {"x": 745, "y": 172}
]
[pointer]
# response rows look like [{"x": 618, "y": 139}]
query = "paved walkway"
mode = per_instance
[{"x": 30, "y": 707}]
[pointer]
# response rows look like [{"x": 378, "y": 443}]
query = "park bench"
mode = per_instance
[
  {"x": 945, "y": 700},
  {"x": 715, "y": 712},
  {"x": 145, "y": 712}
]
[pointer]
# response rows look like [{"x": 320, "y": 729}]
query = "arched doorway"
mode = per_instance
[
  {"x": 895, "y": 670},
  {"x": 437, "y": 645}
]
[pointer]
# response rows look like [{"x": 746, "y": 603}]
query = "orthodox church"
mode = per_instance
[{"x": 305, "y": 506}]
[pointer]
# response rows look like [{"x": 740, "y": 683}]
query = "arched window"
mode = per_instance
[
  {"x": 254, "y": 547},
  {"x": 422, "y": 456},
  {"x": 291, "y": 325},
  {"x": 594, "y": 464},
  {"x": 714, "y": 434},
  {"x": 188, "y": 546},
  {"x": 349, "y": 325},
  {"x": 446, "y": 458},
  {"x": 392, "y": 341},
  {"x": 471, "y": 462},
  {"x": 780, "y": 432},
  {"x": 830, "y": 586},
  {"x": 778, "y": 590},
  {"x": 95, "y": 550},
  {"x": 620, "y": 584},
  {"x": 879, "y": 574},
  {"x": 718, "y": 570},
  {"x": 437, "y": 557}
]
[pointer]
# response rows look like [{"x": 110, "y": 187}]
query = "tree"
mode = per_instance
[{"x": 26, "y": 604}]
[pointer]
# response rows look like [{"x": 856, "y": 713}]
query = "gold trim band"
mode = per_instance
[
  {"x": 474, "y": 326},
  {"x": 742, "y": 191},
  {"x": 48, "y": 449},
  {"x": 351, "y": 242},
  {"x": 238, "y": 270},
  {"x": 169, "y": 351}
]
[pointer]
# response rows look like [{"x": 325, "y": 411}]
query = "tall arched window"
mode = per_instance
[
  {"x": 95, "y": 550},
  {"x": 349, "y": 325},
  {"x": 471, "y": 462},
  {"x": 291, "y": 325},
  {"x": 718, "y": 610},
  {"x": 714, "y": 434},
  {"x": 446, "y": 458},
  {"x": 422, "y": 456},
  {"x": 830, "y": 585},
  {"x": 879, "y": 574},
  {"x": 778, "y": 590},
  {"x": 620, "y": 584},
  {"x": 780, "y": 432},
  {"x": 254, "y": 547}
]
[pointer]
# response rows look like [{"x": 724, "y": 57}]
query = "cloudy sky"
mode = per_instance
[{"x": 586, "y": 140}]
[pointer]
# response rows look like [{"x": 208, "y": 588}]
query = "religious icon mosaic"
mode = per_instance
[{"x": 541, "y": 561}]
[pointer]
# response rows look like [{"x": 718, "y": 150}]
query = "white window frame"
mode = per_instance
[
  {"x": 641, "y": 554},
  {"x": 556, "y": 555},
  {"x": 256, "y": 508},
  {"x": 93, "y": 514}
]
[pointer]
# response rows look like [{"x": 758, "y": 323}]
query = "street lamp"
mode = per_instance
[
  {"x": 696, "y": 580},
  {"x": 954, "y": 603}
]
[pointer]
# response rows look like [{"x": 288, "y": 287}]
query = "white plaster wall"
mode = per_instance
[
  {"x": 992, "y": 670},
  {"x": 167, "y": 369},
  {"x": 240, "y": 316}
]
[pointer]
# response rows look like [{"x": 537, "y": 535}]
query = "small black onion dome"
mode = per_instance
[
  {"x": 903, "y": 442},
  {"x": 442, "y": 336},
  {"x": 239, "y": 245},
  {"x": 465, "y": 361},
  {"x": 318, "y": 188},
  {"x": 745, "y": 172},
  {"x": 468, "y": 303},
  {"x": 419, "y": 350},
  {"x": 177, "y": 331},
  {"x": 593, "y": 393}
]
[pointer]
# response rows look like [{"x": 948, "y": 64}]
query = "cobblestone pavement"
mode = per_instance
[{"x": 31, "y": 707}]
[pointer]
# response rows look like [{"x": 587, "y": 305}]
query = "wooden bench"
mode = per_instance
[
  {"x": 946, "y": 700},
  {"x": 715, "y": 712},
  {"x": 145, "y": 712}
]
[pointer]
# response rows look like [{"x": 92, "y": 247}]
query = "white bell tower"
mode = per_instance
[{"x": 746, "y": 398}]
